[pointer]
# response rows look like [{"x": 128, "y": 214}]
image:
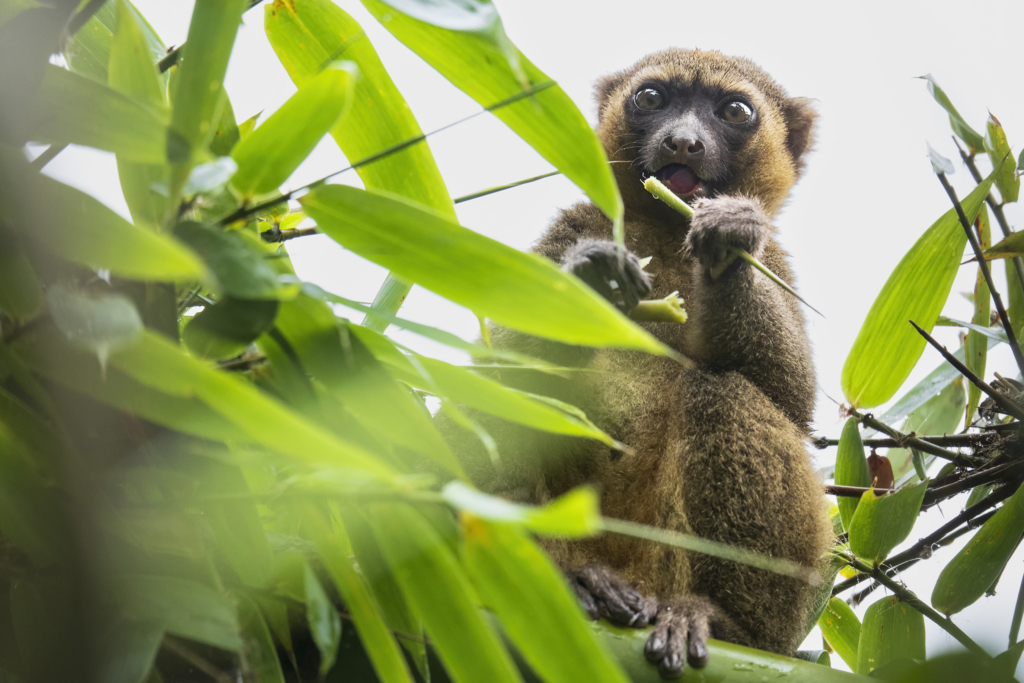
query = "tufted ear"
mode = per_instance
[
  {"x": 603, "y": 90},
  {"x": 800, "y": 116}
]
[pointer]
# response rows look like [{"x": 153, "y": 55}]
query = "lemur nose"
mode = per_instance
[{"x": 684, "y": 149}]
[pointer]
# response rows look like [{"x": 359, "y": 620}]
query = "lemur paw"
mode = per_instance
[
  {"x": 722, "y": 223},
  {"x": 596, "y": 262},
  {"x": 681, "y": 631},
  {"x": 606, "y": 595}
]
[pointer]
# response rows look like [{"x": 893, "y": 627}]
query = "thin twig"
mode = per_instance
[
  {"x": 195, "y": 659},
  {"x": 907, "y": 596},
  {"x": 1007, "y": 472},
  {"x": 48, "y": 155},
  {"x": 1018, "y": 355},
  {"x": 277, "y": 235},
  {"x": 1009, "y": 406},
  {"x": 499, "y": 188},
  {"x": 245, "y": 211},
  {"x": 997, "y": 209},
  {"x": 908, "y": 441},
  {"x": 853, "y": 491},
  {"x": 937, "y": 439},
  {"x": 79, "y": 19}
]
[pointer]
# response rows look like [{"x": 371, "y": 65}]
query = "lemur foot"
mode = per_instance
[
  {"x": 721, "y": 223},
  {"x": 596, "y": 262},
  {"x": 681, "y": 631},
  {"x": 606, "y": 595}
]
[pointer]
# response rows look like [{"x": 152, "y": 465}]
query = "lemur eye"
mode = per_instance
[
  {"x": 649, "y": 98},
  {"x": 736, "y": 112}
]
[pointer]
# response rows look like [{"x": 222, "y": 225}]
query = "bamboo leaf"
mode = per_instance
[
  {"x": 324, "y": 623},
  {"x": 841, "y": 628},
  {"x": 69, "y": 108},
  {"x": 272, "y": 152},
  {"x": 851, "y": 468},
  {"x": 968, "y": 575},
  {"x": 998, "y": 149},
  {"x": 239, "y": 268},
  {"x": 575, "y": 514},
  {"x": 225, "y": 329},
  {"x": 306, "y": 34},
  {"x": 156, "y": 362},
  {"x": 258, "y": 652},
  {"x": 521, "y": 291},
  {"x": 183, "y": 607},
  {"x": 892, "y": 630},
  {"x": 78, "y": 228},
  {"x": 887, "y": 347},
  {"x": 1008, "y": 247},
  {"x": 197, "y": 97},
  {"x": 132, "y": 72},
  {"x": 88, "y": 51},
  {"x": 20, "y": 294},
  {"x": 530, "y": 596},
  {"x": 466, "y": 43},
  {"x": 976, "y": 345},
  {"x": 1015, "y": 296},
  {"x": 881, "y": 524},
  {"x": 373, "y": 632},
  {"x": 439, "y": 591},
  {"x": 940, "y": 164},
  {"x": 99, "y": 324},
  {"x": 974, "y": 141},
  {"x": 127, "y": 651}
]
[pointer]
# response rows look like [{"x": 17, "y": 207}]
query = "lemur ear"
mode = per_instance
[
  {"x": 603, "y": 91},
  {"x": 800, "y": 116}
]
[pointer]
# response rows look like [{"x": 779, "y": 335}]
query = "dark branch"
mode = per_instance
[
  {"x": 908, "y": 441},
  {"x": 939, "y": 440},
  {"x": 983, "y": 265},
  {"x": 1009, "y": 406},
  {"x": 79, "y": 19},
  {"x": 48, "y": 155}
]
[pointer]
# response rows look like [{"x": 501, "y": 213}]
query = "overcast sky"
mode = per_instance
[{"x": 867, "y": 195}]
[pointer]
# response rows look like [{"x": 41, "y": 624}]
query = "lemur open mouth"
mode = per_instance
[{"x": 681, "y": 179}]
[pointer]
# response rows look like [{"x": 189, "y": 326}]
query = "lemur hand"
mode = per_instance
[
  {"x": 722, "y": 223},
  {"x": 596, "y": 262}
]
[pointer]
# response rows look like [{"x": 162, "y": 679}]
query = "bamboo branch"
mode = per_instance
[
  {"x": 908, "y": 441},
  {"x": 499, "y": 188},
  {"x": 997, "y": 209},
  {"x": 171, "y": 58},
  {"x": 937, "y": 439},
  {"x": 48, "y": 155},
  {"x": 1018, "y": 355},
  {"x": 1009, "y": 406}
]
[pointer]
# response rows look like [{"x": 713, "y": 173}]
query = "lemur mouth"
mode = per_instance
[{"x": 681, "y": 179}]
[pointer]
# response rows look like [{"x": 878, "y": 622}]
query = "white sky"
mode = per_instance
[{"x": 867, "y": 195}]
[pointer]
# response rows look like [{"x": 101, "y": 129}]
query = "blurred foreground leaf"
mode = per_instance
[
  {"x": 841, "y": 628},
  {"x": 572, "y": 515},
  {"x": 891, "y": 630}
]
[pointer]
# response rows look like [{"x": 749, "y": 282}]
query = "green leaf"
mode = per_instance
[
  {"x": 974, "y": 141},
  {"x": 268, "y": 156},
  {"x": 881, "y": 524},
  {"x": 575, "y": 514},
  {"x": 978, "y": 494},
  {"x": 127, "y": 651},
  {"x": 225, "y": 329},
  {"x": 976, "y": 566},
  {"x": 1008, "y": 247},
  {"x": 851, "y": 468},
  {"x": 1015, "y": 296},
  {"x": 1002, "y": 159},
  {"x": 380, "y": 646},
  {"x": 183, "y": 607},
  {"x": 88, "y": 52},
  {"x": 69, "y": 108},
  {"x": 342, "y": 364},
  {"x": 20, "y": 294},
  {"x": 210, "y": 176},
  {"x": 892, "y": 630},
  {"x": 487, "y": 395},
  {"x": 99, "y": 324},
  {"x": 227, "y": 134},
  {"x": 29, "y": 510},
  {"x": 306, "y": 34},
  {"x": 996, "y": 332},
  {"x": 258, "y": 652},
  {"x": 158, "y": 363},
  {"x": 438, "y": 590},
  {"x": 198, "y": 94},
  {"x": 132, "y": 72},
  {"x": 78, "y": 228},
  {"x": 976, "y": 345},
  {"x": 466, "y": 43},
  {"x": 241, "y": 270},
  {"x": 530, "y": 596},
  {"x": 940, "y": 415},
  {"x": 518, "y": 290},
  {"x": 55, "y": 360},
  {"x": 887, "y": 347},
  {"x": 323, "y": 619},
  {"x": 841, "y": 628}
]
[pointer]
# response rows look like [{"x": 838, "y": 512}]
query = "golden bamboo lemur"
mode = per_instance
[{"x": 718, "y": 451}]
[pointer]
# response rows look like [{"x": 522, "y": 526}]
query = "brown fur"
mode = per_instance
[{"x": 718, "y": 451}]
